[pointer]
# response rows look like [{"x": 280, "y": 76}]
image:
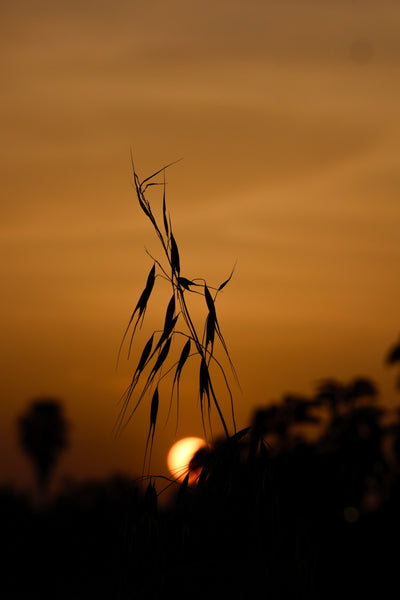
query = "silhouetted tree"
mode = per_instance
[
  {"x": 332, "y": 394},
  {"x": 393, "y": 355},
  {"x": 393, "y": 358},
  {"x": 43, "y": 436}
]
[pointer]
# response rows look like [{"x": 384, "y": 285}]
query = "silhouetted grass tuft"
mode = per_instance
[{"x": 178, "y": 327}]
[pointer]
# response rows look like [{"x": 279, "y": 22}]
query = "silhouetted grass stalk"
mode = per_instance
[{"x": 157, "y": 348}]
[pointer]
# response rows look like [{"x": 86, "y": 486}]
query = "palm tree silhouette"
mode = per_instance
[{"x": 43, "y": 436}]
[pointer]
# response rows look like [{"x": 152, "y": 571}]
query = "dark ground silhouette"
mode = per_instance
[{"x": 276, "y": 513}]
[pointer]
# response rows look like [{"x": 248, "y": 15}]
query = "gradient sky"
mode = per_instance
[{"x": 287, "y": 117}]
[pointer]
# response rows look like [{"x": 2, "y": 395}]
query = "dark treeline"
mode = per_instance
[{"x": 304, "y": 503}]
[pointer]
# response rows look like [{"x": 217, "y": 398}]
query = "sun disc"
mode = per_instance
[{"x": 180, "y": 455}]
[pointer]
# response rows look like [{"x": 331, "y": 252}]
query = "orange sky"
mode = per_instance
[{"x": 287, "y": 117}]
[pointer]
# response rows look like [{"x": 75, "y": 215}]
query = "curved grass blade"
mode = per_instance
[
  {"x": 213, "y": 326},
  {"x": 169, "y": 323},
  {"x": 160, "y": 171},
  {"x": 204, "y": 388},
  {"x": 143, "y": 359},
  {"x": 126, "y": 398},
  {"x": 211, "y": 320},
  {"x": 175, "y": 262},
  {"x": 153, "y": 421},
  {"x": 141, "y": 187},
  {"x": 167, "y": 332},
  {"x": 164, "y": 210},
  {"x": 157, "y": 366},
  {"x": 223, "y": 343},
  {"x": 185, "y": 283},
  {"x": 169, "y": 313},
  {"x": 178, "y": 372},
  {"x": 182, "y": 360},
  {"x": 210, "y": 332},
  {"x": 144, "y": 205},
  {"x": 140, "y": 308},
  {"x": 221, "y": 287},
  {"x": 131, "y": 388},
  {"x": 161, "y": 357},
  {"x": 210, "y": 303}
]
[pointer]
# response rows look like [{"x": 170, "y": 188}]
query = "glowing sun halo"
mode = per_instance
[{"x": 181, "y": 453}]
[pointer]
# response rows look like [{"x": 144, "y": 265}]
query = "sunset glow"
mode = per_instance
[
  {"x": 200, "y": 238},
  {"x": 181, "y": 454},
  {"x": 286, "y": 116}
]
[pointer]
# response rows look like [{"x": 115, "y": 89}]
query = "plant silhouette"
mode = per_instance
[
  {"x": 179, "y": 333},
  {"x": 302, "y": 503},
  {"x": 43, "y": 436}
]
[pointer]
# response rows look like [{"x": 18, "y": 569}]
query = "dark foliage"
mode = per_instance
[{"x": 276, "y": 511}]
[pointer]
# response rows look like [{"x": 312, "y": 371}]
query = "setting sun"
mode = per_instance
[
  {"x": 200, "y": 239},
  {"x": 180, "y": 455}
]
